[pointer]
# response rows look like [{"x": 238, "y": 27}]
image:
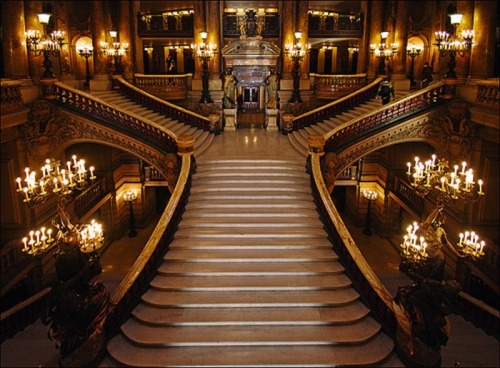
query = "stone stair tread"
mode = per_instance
[
  {"x": 252, "y": 194},
  {"x": 245, "y": 269},
  {"x": 250, "y": 187},
  {"x": 242, "y": 299},
  {"x": 284, "y": 232},
  {"x": 252, "y": 212},
  {"x": 369, "y": 352},
  {"x": 251, "y": 243},
  {"x": 238, "y": 223},
  {"x": 358, "y": 331},
  {"x": 243, "y": 204},
  {"x": 250, "y": 255},
  {"x": 348, "y": 313},
  {"x": 250, "y": 283}
]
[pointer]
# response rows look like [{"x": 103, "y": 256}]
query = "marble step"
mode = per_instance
[
  {"x": 369, "y": 352},
  {"x": 250, "y": 187},
  {"x": 282, "y": 232},
  {"x": 250, "y": 255},
  {"x": 150, "y": 335},
  {"x": 263, "y": 223},
  {"x": 342, "y": 314},
  {"x": 250, "y": 269},
  {"x": 243, "y": 299},
  {"x": 252, "y": 213},
  {"x": 222, "y": 243},
  {"x": 244, "y": 204},
  {"x": 250, "y": 283}
]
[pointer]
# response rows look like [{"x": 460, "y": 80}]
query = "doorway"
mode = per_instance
[{"x": 251, "y": 98}]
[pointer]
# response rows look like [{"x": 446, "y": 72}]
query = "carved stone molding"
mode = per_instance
[{"x": 50, "y": 130}]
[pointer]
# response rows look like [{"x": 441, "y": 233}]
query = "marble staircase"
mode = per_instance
[
  {"x": 203, "y": 139},
  {"x": 298, "y": 138},
  {"x": 251, "y": 280}
]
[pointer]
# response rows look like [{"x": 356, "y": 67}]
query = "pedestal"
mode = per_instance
[
  {"x": 272, "y": 119},
  {"x": 230, "y": 121}
]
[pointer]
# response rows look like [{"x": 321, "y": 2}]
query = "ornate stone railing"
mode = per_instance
[
  {"x": 328, "y": 87},
  {"x": 487, "y": 94},
  {"x": 342, "y": 136},
  {"x": 10, "y": 96},
  {"x": 128, "y": 293},
  {"x": 88, "y": 198},
  {"x": 333, "y": 108},
  {"x": 166, "y": 87},
  {"x": 362, "y": 275},
  {"x": 132, "y": 123},
  {"x": 164, "y": 107}
]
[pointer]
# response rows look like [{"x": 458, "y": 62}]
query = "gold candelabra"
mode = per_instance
[
  {"x": 296, "y": 51},
  {"x": 115, "y": 52},
  {"x": 205, "y": 52},
  {"x": 383, "y": 51}
]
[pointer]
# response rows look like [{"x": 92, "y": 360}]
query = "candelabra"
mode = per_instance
[
  {"x": 383, "y": 51},
  {"x": 413, "y": 51},
  {"x": 129, "y": 197},
  {"x": 414, "y": 247},
  {"x": 370, "y": 196},
  {"x": 296, "y": 51},
  {"x": 114, "y": 52},
  {"x": 205, "y": 52},
  {"x": 43, "y": 44},
  {"x": 451, "y": 184},
  {"x": 454, "y": 45},
  {"x": 86, "y": 52},
  {"x": 62, "y": 183}
]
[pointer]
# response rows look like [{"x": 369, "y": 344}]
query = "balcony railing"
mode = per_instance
[
  {"x": 166, "y": 87},
  {"x": 330, "y": 87},
  {"x": 11, "y": 100},
  {"x": 171, "y": 24},
  {"x": 332, "y": 24}
]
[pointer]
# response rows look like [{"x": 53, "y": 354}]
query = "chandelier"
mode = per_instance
[
  {"x": 114, "y": 51},
  {"x": 383, "y": 51},
  {"x": 454, "y": 44},
  {"x": 414, "y": 247},
  {"x": 436, "y": 174},
  {"x": 62, "y": 182}
]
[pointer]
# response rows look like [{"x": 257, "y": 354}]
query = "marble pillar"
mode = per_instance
[
  {"x": 287, "y": 16},
  {"x": 101, "y": 80},
  {"x": 199, "y": 25},
  {"x": 214, "y": 35},
  {"x": 483, "y": 52},
  {"x": 31, "y": 10},
  {"x": 136, "y": 55},
  {"x": 303, "y": 26},
  {"x": 463, "y": 62},
  {"x": 15, "y": 53},
  {"x": 364, "y": 47},
  {"x": 126, "y": 36},
  {"x": 375, "y": 23},
  {"x": 399, "y": 77}
]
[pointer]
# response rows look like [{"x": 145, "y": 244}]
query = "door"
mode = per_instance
[{"x": 251, "y": 98}]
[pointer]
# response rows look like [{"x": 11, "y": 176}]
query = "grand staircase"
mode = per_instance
[
  {"x": 251, "y": 280},
  {"x": 298, "y": 138},
  {"x": 203, "y": 139}
]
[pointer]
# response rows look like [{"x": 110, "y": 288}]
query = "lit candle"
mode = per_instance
[
  {"x": 19, "y": 184},
  {"x": 433, "y": 160},
  {"x": 461, "y": 236},
  {"x": 56, "y": 186},
  {"x": 74, "y": 160},
  {"x": 456, "y": 169},
  {"x": 68, "y": 163},
  {"x": 25, "y": 190},
  {"x": 482, "y": 246},
  {"x": 443, "y": 179},
  {"x": 25, "y": 242},
  {"x": 32, "y": 234},
  {"x": 92, "y": 172},
  {"x": 49, "y": 234},
  {"x": 463, "y": 167},
  {"x": 480, "y": 182}
]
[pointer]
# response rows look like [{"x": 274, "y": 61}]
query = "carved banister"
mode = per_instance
[
  {"x": 10, "y": 96},
  {"x": 487, "y": 93}
]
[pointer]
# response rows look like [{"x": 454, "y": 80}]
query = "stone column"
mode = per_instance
[
  {"x": 399, "y": 78},
  {"x": 483, "y": 52},
  {"x": 463, "y": 62},
  {"x": 15, "y": 53},
  {"x": 199, "y": 25},
  {"x": 136, "y": 56},
  {"x": 375, "y": 23},
  {"x": 287, "y": 16},
  {"x": 303, "y": 26},
  {"x": 364, "y": 48},
  {"x": 124, "y": 32},
  {"x": 31, "y": 10},
  {"x": 61, "y": 22},
  {"x": 101, "y": 80},
  {"x": 214, "y": 36}
]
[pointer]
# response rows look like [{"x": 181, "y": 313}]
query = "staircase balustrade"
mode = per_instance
[
  {"x": 333, "y": 108},
  {"x": 344, "y": 135},
  {"x": 163, "y": 107},
  {"x": 109, "y": 115},
  {"x": 11, "y": 96},
  {"x": 487, "y": 94}
]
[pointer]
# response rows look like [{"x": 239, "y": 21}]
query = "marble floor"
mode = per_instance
[{"x": 467, "y": 346}]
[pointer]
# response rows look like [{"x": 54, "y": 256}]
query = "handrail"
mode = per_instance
[
  {"x": 356, "y": 265},
  {"x": 337, "y": 106},
  {"x": 88, "y": 104},
  {"x": 163, "y": 107},
  {"x": 129, "y": 290},
  {"x": 342, "y": 135}
]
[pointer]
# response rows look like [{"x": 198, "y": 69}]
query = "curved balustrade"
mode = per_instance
[
  {"x": 345, "y": 134},
  {"x": 145, "y": 130},
  {"x": 128, "y": 293},
  {"x": 167, "y": 87},
  {"x": 366, "y": 281},
  {"x": 163, "y": 107},
  {"x": 333, "y": 108},
  {"x": 336, "y": 86}
]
